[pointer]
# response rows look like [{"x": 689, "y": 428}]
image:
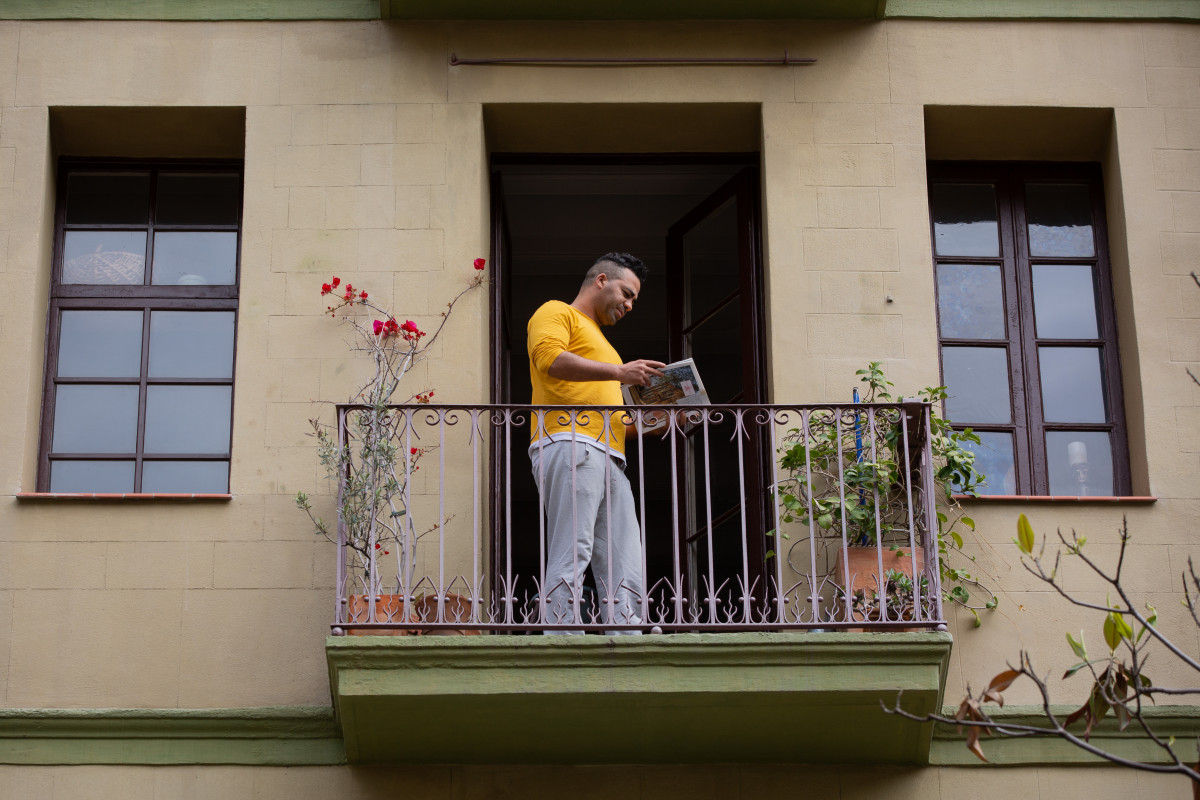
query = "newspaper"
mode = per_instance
[{"x": 679, "y": 386}]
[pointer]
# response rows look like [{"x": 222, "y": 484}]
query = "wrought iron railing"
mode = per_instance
[{"x": 750, "y": 517}]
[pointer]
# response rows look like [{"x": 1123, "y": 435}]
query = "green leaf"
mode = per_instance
[
  {"x": 1123, "y": 627},
  {"x": 1077, "y": 646},
  {"x": 1075, "y": 668},
  {"x": 970, "y": 523},
  {"x": 825, "y": 521},
  {"x": 958, "y": 540},
  {"x": 1112, "y": 634},
  {"x": 1025, "y": 538}
]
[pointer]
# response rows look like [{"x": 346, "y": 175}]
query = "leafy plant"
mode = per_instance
[
  {"x": 372, "y": 466},
  {"x": 848, "y": 481},
  {"x": 1120, "y": 686}
]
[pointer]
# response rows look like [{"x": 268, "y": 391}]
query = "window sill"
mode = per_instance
[
  {"x": 1033, "y": 498},
  {"x": 34, "y": 496}
]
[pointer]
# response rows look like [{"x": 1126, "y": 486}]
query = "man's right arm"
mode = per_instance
[{"x": 571, "y": 367}]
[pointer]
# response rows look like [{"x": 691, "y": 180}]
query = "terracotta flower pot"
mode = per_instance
[
  {"x": 457, "y": 608},
  {"x": 388, "y": 608},
  {"x": 863, "y": 564}
]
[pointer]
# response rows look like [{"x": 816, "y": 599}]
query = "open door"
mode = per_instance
[
  {"x": 551, "y": 217},
  {"x": 715, "y": 318}
]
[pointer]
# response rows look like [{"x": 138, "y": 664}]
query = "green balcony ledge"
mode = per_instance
[
  {"x": 265, "y": 736},
  {"x": 191, "y": 10},
  {"x": 201, "y": 10},
  {"x": 1183, "y": 722},
  {"x": 660, "y": 699}
]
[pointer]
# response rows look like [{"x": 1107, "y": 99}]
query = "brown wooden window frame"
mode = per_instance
[
  {"x": 1028, "y": 426},
  {"x": 146, "y": 297}
]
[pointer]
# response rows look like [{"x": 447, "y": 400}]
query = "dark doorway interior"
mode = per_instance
[{"x": 554, "y": 218}]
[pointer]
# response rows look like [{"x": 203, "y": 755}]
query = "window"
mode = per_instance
[
  {"x": 143, "y": 308},
  {"x": 1026, "y": 327}
]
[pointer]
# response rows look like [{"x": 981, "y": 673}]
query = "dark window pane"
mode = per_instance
[
  {"x": 195, "y": 259},
  {"x": 1079, "y": 463},
  {"x": 104, "y": 257},
  {"x": 994, "y": 459},
  {"x": 211, "y": 199},
  {"x": 1072, "y": 384},
  {"x": 91, "y": 476},
  {"x": 977, "y": 382},
  {"x": 1064, "y": 301},
  {"x": 1060, "y": 220},
  {"x": 208, "y": 477},
  {"x": 719, "y": 339},
  {"x": 191, "y": 344},
  {"x": 95, "y": 419},
  {"x": 970, "y": 301},
  {"x": 100, "y": 344},
  {"x": 964, "y": 219},
  {"x": 187, "y": 419},
  {"x": 108, "y": 198},
  {"x": 711, "y": 261}
]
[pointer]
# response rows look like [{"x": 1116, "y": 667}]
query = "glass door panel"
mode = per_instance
[{"x": 715, "y": 321}]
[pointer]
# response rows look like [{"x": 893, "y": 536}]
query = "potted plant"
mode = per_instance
[
  {"x": 896, "y": 601},
  {"x": 366, "y": 460},
  {"x": 848, "y": 482}
]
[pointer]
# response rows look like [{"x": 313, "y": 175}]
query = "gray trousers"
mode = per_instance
[{"x": 590, "y": 519}]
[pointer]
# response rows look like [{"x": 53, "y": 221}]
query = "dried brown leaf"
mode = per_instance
[{"x": 1004, "y": 680}]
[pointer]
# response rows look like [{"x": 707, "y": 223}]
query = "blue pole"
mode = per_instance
[{"x": 858, "y": 452}]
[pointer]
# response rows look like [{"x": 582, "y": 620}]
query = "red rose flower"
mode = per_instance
[
  {"x": 479, "y": 263},
  {"x": 336, "y": 280},
  {"x": 326, "y": 288},
  {"x": 377, "y": 326}
]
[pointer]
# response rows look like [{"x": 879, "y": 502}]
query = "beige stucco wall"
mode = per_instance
[{"x": 365, "y": 156}]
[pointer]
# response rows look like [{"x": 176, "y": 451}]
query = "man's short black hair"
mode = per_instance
[{"x": 623, "y": 260}]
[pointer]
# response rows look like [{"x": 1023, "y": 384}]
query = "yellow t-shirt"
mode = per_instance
[{"x": 558, "y": 327}]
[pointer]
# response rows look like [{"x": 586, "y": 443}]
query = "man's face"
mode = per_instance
[{"x": 619, "y": 289}]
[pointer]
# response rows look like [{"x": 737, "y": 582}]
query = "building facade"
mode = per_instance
[{"x": 1002, "y": 200}]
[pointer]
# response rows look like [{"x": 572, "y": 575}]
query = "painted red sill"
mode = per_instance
[
  {"x": 1042, "y": 498},
  {"x": 119, "y": 496}
]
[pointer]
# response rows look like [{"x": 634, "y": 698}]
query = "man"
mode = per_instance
[{"x": 579, "y": 460}]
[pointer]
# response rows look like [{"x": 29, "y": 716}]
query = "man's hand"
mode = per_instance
[{"x": 639, "y": 372}]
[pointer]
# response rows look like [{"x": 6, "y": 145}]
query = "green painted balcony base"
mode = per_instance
[
  {"x": 1182, "y": 723},
  {"x": 684, "y": 698}
]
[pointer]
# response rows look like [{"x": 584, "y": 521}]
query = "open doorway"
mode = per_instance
[{"x": 694, "y": 221}]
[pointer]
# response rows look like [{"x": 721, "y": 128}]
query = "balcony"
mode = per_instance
[{"x": 776, "y": 543}]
